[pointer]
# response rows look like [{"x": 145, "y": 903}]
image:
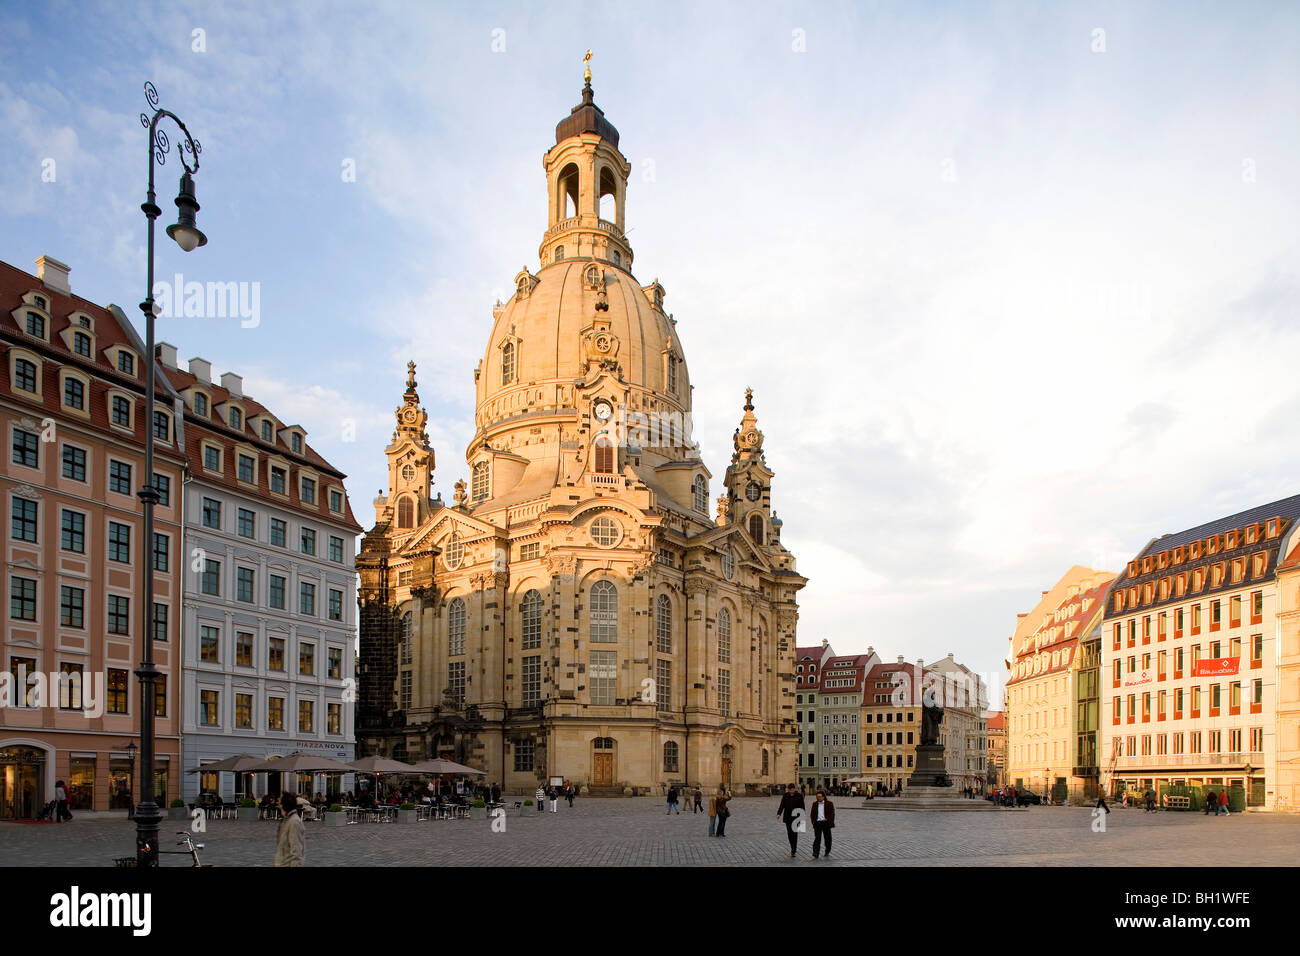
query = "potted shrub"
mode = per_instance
[
  {"x": 526, "y": 809},
  {"x": 406, "y": 813},
  {"x": 478, "y": 810},
  {"x": 335, "y": 817},
  {"x": 177, "y": 810},
  {"x": 247, "y": 809}
]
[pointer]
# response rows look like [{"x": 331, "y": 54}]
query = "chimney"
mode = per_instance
[
  {"x": 201, "y": 369},
  {"x": 165, "y": 353},
  {"x": 54, "y": 274},
  {"x": 234, "y": 384},
  {"x": 900, "y": 658},
  {"x": 824, "y": 642}
]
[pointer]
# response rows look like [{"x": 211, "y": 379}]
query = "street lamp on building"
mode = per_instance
[{"x": 185, "y": 232}]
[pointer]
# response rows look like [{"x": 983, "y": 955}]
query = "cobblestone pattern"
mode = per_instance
[{"x": 636, "y": 832}]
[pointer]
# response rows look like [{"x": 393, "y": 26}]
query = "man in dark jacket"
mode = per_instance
[
  {"x": 823, "y": 821},
  {"x": 792, "y": 801}
]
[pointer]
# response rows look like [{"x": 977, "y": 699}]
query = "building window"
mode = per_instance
[
  {"x": 119, "y": 542},
  {"x": 125, "y": 362},
  {"x": 279, "y": 532},
  {"x": 278, "y": 480},
  {"x": 246, "y": 523},
  {"x": 161, "y": 426},
  {"x": 74, "y": 463},
  {"x": 119, "y": 614},
  {"x": 664, "y": 624},
  {"x": 26, "y": 449},
  {"x": 211, "y": 458},
  {"x": 334, "y": 663},
  {"x": 72, "y": 532},
  {"x": 404, "y": 694},
  {"x": 456, "y": 683},
  {"x": 119, "y": 477},
  {"x": 670, "y": 756},
  {"x": 603, "y": 677},
  {"x": 22, "y": 599},
  {"x": 243, "y": 649},
  {"x": 756, "y": 528},
  {"x": 295, "y": 442},
  {"x": 210, "y": 580},
  {"x": 479, "y": 481},
  {"x": 308, "y": 491},
  {"x": 306, "y": 659},
  {"x": 275, "y": 713},
  {"x": 72, "y": 607},
  {"x": 604, "y": 455},
  {"x": 724, "y": 692},
  {"x": 118, "y": 691},
  {"x": 23, "y": 524},
  {"x": 208, "y": 707},
  {"x": 531, "y": 681},
  {"x": 336, "y": 549},
  {"x": 456, "y": 627},
  {"x": 334, "y": 719},
  {"x": 701, "y": 495},
  {"x": 121, "y": 411},
  {"x": 306, "y": 598},
  {"x": 724, "y": 636},
  {"x": 25, "y": 375},
  {"x": 211, "y": 513},
  {"x": 336, "y": 605},
  {"x": 663, "y": 685},
  {"x": 159, "y": 622},
  {"x": 74, "y": 393},
  {"x": 507, "y": 363},
  {"x": 275, "y": 593},
  {"x": 210, "y": 644},
  {"x": 275, "y": 654},
  {"x": 244, "y": 711},
  {"x": 306, "y": 716},
  {"x": 244, "y": 585},
  {"x": 336, "y": 501},
  {"x": 236, "y": 419},
  {"x": 200, "y": 404},
  {"x": 524, "y": 755},
  {"x": 268, "y": 432},
  {"x": 603, "y": 615},
  {"x": 247, "y": 469},
  {"x": 672, "y": 374},
  {"x": 163, "y": 485},
  {"x": 531, "y": 620},
  {"x": 308, "y": 541}
]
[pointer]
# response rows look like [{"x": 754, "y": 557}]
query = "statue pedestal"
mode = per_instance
[{"x": 928, "y": 788}]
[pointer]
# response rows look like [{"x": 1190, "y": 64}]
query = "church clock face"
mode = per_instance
[
  {"x": 603, "y": 411},
  {"x": 753, "y": 491},
  {"x": 408, "y": 473},
  {"x": 409, "y": 415}
]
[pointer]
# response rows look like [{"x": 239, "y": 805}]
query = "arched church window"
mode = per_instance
[
  {"x": 532, "y": 620},
  {"x": 507, "y": 363},
  {"x": 672, "y": 374},
  {"x": 764, "y": 773},
  {"x": 559, "y": 253},
  {"x": 453, "y": 553},
  {"x": 604, "y": 613},
  {"x": 701, "y": 495},
  {"x": 608, "y": 196},
  {"x": 406, "y": 638},
  {"x": 664, "y": 624},
  {"x": 728, "y": 564},
  {"x": 479, "y": 485},
  {"x": 405, "y": 513},
  {"x": 603, "y": 453},
  {"x": 724, "y": 636},
  {"x": 756, "y": 528},
  {"x": 617, "y": 259},
  {"x": 670, "y": 756},
  {"x": 456, "y": 627},
  {"x": 567, "y": 200}
]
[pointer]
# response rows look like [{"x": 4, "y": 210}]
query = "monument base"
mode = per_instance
[{"x": 934, "y": 799}]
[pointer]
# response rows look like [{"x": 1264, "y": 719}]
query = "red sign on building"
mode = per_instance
[{"x": 1216, "y": 666}]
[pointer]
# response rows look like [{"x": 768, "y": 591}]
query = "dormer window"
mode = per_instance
[
  {"x": 74, "y": 392},
  {"x": 36, "y": 325},
  {"x": 162, "y": 426},
  {"x": 126, "y": 363},
  {"x": 308, "y": 491},
  {"x": 25, "y": 375},
  {"x": 39, "y": 302},
  {"x": 200, "y": 404},
  {"x": 236, "y": 419},
  {"x": 336, "y": 501},
  {"x": 81, "y": 343},
  {"x": 479, "y": 482},
  {"x": 212, "y": 458},
  {"x": 268, "y": 432},
  {"x": 295, "y": 442},
  {"x": 559, "y": 253},
  {"x": 83, "y": 321}
]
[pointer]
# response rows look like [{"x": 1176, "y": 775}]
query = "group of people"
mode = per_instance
[
  {"x": 796, "y": 817},
  {"x": 547, "y": 794}
]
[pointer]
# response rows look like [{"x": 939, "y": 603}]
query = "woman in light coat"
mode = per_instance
[{"x": 290, "y": 839}]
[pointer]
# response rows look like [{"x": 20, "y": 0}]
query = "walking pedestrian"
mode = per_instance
[
  {"x": 713, "y": 815},
  {"x": 290, "y": 841},
  {"x": 1223, "y": 801},
  {"x": 61, "y": 811},
  {"x": 569, "y": 791},
  {"x": 1211, "y": 803},
  {"x": 496, "y": 793},
  {"x": 790, "y": 802},
  {"x": 541, "y": 798},
  {"x": 1101, "y": 801},
  {"x": 823, "y": 821},
  {"x": 672, "y": 801},
  {"x": 723, "y": 813},
  {"x": 555, "y": 798},
  {"x": 1151, "y": 802},
  {"x": 699, "y": 800}
]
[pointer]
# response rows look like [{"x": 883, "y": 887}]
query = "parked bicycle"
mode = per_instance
[{"x": 187, "y": 841}]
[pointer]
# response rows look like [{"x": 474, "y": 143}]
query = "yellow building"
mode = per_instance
[
  {"x": 579, "y": 610},
  {"x": 1043, "y": 693}
]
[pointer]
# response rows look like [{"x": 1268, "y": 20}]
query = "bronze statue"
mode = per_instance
[{"x": 931, "y": 719}]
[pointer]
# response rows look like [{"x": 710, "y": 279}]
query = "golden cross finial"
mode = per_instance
[
  {"x": 410, "y": 374},
  {"x": 586, "y": 68}
]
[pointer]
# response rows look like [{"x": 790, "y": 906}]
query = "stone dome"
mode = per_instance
[{"x": 553, "y": 334}]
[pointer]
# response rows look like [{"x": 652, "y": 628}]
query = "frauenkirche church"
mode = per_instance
[{"x": 579, "y": 610}]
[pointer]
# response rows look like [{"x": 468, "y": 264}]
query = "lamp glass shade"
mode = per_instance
[{"x": 187, "y": 237}]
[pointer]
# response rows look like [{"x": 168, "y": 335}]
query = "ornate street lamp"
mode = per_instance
[{"x": 186, "y": 234}]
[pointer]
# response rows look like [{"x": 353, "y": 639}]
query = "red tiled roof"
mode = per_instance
[{"x": 997, "y": 720}]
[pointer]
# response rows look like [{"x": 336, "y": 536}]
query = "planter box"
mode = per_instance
[
  {"x": 405, "y": 816},
  {"x": 339, "y": 819},
  {"x": 478, "y": 813},
  {"x": 178, "y": 813},
  {"x": 527, "y": 810},
  {"x": 247, "y": 814}
]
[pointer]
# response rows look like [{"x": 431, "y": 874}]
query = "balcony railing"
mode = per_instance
[{"x": 1256, "y": 760}]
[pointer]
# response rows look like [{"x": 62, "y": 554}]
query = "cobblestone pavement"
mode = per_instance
[{"x": 636, "y": 832}]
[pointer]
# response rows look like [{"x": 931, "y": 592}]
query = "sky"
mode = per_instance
[{"x": 1014, "y": 284}]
